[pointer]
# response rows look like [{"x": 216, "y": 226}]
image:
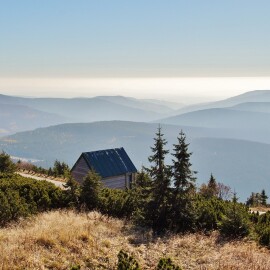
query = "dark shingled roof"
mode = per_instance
[{"x": 110, "y": 162}]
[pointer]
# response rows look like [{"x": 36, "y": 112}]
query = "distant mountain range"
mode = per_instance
[
  {"x": 252, "y": 96},
  {"x": 229, "y": 138},
  {"x": 247, "y": 120},
  {"x": 77, "y": 110},
  {"x": 14, "y": 118}
]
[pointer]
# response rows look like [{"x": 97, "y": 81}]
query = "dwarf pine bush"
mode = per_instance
[
  {"x": 166, "y": 264},
  {"x": 126, "y": 262}
]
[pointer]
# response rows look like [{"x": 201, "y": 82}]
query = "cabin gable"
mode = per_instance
[{"x": 80, "y": 169}]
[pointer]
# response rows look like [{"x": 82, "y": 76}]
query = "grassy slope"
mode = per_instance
[{"x": 58, "y": 240}]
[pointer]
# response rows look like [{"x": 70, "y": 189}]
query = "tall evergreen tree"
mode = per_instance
[
  {"x": 264, "y": 198},
  {"x": 182, "y": 211},
  {"x": 160, "y": 174},
  {"x": 183, "y": 176}
]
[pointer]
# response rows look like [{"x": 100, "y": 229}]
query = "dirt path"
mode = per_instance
[{"x": 57, "y": 183}]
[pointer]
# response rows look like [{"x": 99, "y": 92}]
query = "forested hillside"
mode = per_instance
[{"x": 239, "y": 163}]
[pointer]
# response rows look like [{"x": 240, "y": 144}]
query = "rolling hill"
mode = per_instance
[
  {"x": 252, "y": 96},
  {"x": 74, "y": 110},
  {"x": 253, "y": 107},
  {"x": 221, "y": 118},
  {"x": 14, "y": 118},
  {"x": 244, "y": 165}
]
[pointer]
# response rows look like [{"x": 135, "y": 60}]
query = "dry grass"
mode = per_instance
[
  {"x": 59, "y": 240},
  {"x": 259, "y": 209}
]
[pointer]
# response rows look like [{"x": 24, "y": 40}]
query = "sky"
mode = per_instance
[{"x": 164, "y": 48}]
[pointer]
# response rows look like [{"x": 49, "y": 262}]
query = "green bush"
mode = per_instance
[
  {"x": 21, "y": 197},
  {"x": 262, "y": 228},
  {"x": 126, "y": 262},
  {"x": 235, "y": 223},
  {"x": 6, "y": 164},
  {"x": 209, "y": 212},
  {"x": 90, "y": 190},
  {"x": 75, "y": 267},
  {"x": 264, "y": 236},
  {"x": 166, "y": 264}
]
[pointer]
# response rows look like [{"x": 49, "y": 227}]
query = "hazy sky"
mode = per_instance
[{"x": 144, "y": 38}]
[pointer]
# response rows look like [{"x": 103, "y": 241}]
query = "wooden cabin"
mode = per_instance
[{"x": 113, "y": 165}]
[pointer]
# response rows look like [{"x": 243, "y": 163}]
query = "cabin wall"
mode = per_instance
[
  {"x": 120, "y": 181},
  {"x": 80, "y": 170},
  {"x": 115, "y": 182}
]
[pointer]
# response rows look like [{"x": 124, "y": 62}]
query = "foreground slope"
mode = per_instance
[
  {"x": 242, "y": 164},
  {"x": 61, "y": 240}
]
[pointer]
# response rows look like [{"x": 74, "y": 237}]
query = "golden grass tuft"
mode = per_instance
[{"x": 62, "y": 239}]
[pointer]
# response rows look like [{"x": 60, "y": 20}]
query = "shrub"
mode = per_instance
[
  {"x": 166, "y": 264},
  {"x": 235, "y": 222},
  {"x": 6, "y": 164},
  {"x": 20, "y": 197},
  {"x": 209, "y": 212},
  {"x": 262, "y": 228},
  {"x": 126, "y": 262},
  {"x": 90, "y": 191}
]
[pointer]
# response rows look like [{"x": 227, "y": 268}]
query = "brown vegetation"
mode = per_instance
[
  {"x": 263, "y": 209},
  {"x": 60, "y": 240}
]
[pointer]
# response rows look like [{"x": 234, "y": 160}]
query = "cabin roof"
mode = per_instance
[{"x": 109, "y": 162}]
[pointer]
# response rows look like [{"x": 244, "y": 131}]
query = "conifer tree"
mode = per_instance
[
  {"x": 212, "y": 186},
  {"x": 183, "y": 176},
  {"x": 264, "y": 198},
  {"x": 160, "y": 174},
  {"x": 182, "y": 211},
  {"x": 211, "y": 189}
]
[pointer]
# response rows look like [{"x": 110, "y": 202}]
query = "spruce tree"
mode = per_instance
[
  {"x": 182, "y": 211},
  {"x": 212, "y": 186},
  {"x": 211, "y": 189},
  {"x": 264, "y": 198},
  {"x": 183, "y": 176},
  {"x": 160, "y": 174}
]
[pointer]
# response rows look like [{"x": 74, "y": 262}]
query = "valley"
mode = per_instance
[{"x": 231, "y": 142}]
